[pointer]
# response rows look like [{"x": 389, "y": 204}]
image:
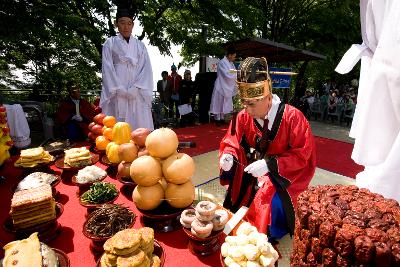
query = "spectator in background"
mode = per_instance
[
  {"x": 175, "y": 80},
  {"x": 164, "y": 89},
  {"x": 186, "y": 94},
  {"x": 348, "y": 105},
  {"x": 224, "y": 88},
  {"x": 306, "y": 101},
  {"x": 75, "y": 113},
  {"x": 332, "y": 102},
  {"x": 127, "y": 91}
]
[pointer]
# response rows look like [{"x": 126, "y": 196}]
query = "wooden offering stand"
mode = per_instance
[
  {"x": 204, "y": 246},
  {"x": 112, "y": 169},
  {"x": 128, "y": 185},
  {"x": 163, "y": 219},
  {"x": 47, "y": 231}
]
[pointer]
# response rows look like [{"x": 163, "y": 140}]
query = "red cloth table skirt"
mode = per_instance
[{"x": 71, "y": 239}]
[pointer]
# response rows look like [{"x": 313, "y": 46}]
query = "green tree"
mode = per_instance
[{"x": 54, "y": 41}]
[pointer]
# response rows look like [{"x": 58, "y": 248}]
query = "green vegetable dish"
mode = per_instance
[{"x": 100, "y": 193}]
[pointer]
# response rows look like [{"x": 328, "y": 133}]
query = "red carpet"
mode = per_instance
[
  {"x": 335, "y": 156},
  {"x": 332, "y": 155}
]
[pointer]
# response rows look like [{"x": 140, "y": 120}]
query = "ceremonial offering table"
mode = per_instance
[{"x": 71, "y": 239}]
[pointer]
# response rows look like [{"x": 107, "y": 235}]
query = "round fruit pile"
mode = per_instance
[
  {"x": 163, "y": 174},
  {"x": 5, "y": 140}
]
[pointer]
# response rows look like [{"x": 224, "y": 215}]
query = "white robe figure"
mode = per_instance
[
  {"x": 224, "y": 89},
  {"x": 376, "y": 123},
  {"x": 127, "y": 91}
]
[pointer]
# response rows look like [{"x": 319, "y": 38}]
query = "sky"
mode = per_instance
[{"x": 160, "y": 62}]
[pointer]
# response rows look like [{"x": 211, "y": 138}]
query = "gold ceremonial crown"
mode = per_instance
[{"x": 254, "y": 81}]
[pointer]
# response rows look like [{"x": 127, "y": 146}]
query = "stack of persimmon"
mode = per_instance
[{"x": 106, "y": 136}]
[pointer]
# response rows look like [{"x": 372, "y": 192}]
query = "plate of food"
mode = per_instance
[
  {"x": 56, "y": 147},
  {"x": 32, "y": 158},
  {"x": 37, "y": 179},
  {"x": 32, "y": 252},
  {"x": 248, "y": 246},
  {"x": 76, "y": 158},
  {"x": 89, "y": 175},
  {"x": 98, "y": 194},
  {"x": 107, "y": 220},
  {"x": 146, "y": 251}
]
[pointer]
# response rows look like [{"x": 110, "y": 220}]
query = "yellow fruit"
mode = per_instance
[{"x": 121, "y": 133}]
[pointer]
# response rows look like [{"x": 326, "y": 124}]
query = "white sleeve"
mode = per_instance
[
  {"x": 144, "y": 78},
  {"x": 227, "y": 79},
  {"x": 111, "y": 83}
]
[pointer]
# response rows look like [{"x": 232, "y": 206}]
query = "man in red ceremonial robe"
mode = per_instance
[
  {"x": 75, "y": 114},
  {"x": 267, "y": 156}
]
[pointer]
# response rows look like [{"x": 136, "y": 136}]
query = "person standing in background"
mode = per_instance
[
  {"x": 164, "y": 89},
  {"x": 224, "y": 88},
  {"x": 127, "y": 91},
  {"x": 186, "y": 96},
  {"x": 175, "y": 80}
]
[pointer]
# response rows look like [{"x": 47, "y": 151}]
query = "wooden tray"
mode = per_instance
[
  {"x": 204, "y": 246},
  {"x": 46, "y": 231},
  {"x": 162, "y": 219}
]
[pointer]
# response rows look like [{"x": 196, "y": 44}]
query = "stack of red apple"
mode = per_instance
[
  {"x": 96, "y": 127},
  {"x": 5, "y": 140},
  {"x": 130, "y": 151}
]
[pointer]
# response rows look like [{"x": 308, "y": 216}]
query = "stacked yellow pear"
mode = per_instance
[{"x": 163, "y": 174}]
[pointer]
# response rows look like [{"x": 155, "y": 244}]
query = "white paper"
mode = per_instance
[
  {"x": 235, "y": 220},
  {"x": 185, "y": 109}
]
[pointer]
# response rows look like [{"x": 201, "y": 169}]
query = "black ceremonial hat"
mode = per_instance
[
  {"x": 126, "y": 8},
  {"x": 125, "y": 12}
]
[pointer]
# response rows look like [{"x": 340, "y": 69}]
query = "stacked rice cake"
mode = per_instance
[
  {"x": 32, "y": 207},
  {"x": 32, "y": 157},
  {"x": 77, "y": 157},
  {"x": 130, "y": 247}
]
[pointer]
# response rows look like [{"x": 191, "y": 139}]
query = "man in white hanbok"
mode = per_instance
[
  {"x": 224, "y": 88},
  {"x": 376, "y": 123},
  {"x": 127, "y": 76}
]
